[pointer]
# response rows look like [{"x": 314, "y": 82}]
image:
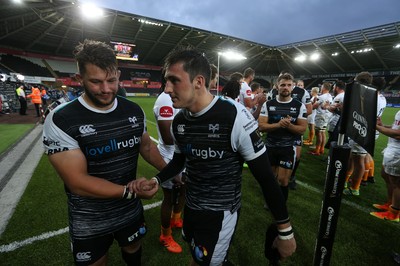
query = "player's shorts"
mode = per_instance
[
  {"x": 333, "y": 122},
  {"x": 321, "y": 122},
  {"x": 356, "y": 148},
  {"x": 298, "y": 141},
  {"x": 88, "y": 251},
  {"x": 311, "y": 118},
  {"x": 391, "y": 161},
  {"x": 284, "y": 157},
  {"x": 209, "y": 234}
]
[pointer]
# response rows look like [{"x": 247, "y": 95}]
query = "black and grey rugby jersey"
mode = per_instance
[
  {"x": 215, "y": 142},
  {"x": 275, "y": 111},
  {"x": 110, "y": 141},
  {"x": 301, "y": 95}
]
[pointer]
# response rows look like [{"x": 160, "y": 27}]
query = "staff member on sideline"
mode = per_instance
[{"x": 22, "y": 99}]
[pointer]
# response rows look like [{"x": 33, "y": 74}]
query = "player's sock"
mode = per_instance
[
  {"x": 166, "y": 231},
  {"x": 132, "y": 259},
  {"x": 296, "y": 164},
  {"x": 285, "y": 192}
]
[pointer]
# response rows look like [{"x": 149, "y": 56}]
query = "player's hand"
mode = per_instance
[
  {"x": 379, "y": 121},
  {"x": 285, "y": 247},
  {"x": 144, "y": 189}
]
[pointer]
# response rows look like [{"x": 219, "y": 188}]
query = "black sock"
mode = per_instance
[
  {"x": 285, "y": 192},
  {"x": 296, "y": 164},
  {"x": 133, "y": 259}
]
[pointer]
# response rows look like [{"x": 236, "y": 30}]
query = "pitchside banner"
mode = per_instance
[
  {"x": 334, "y": 183},
  {"x": 358, "y": 122},
  {"x": 359, "y": 115}
]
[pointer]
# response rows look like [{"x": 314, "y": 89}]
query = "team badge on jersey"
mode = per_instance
[
  {"x": 248, "y": 92},
  {"x": 166, "y": 111}
]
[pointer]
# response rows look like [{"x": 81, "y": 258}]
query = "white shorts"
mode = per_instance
[
  {"x": 356, "y": 148},
  {"x": 391, "y": 162},
  {"x": 311, "y": 118},
  {"x": 321, "y": 121}
]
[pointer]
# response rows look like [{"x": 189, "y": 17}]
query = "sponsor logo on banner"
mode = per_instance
[
  {"x": 360, "y": 104},
  {"x": 331, "y": 214},
  {"x": 338, "y": 168},
  {"x": 324, "y": 252}
]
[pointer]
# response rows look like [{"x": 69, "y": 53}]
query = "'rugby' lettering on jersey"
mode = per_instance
[
  {"x": 112, "y": 146},
  {"x": 209, "y": 153}
]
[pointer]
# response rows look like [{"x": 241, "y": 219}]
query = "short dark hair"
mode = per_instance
[
  {"x": 236, "y": 76},
  {"x": 255, "y": 86},
  {"x": 340, "y": 84},
  {"x": 194, "y": 62},
  {"x": 249, "y": 72},
  {"x": 285, "y": 76},
  {"x": 379, "y": 83},
  {"x": 231, "y": 89},
  {"x": 364, "y": 78},
  {"x": 97, "y": 53}
]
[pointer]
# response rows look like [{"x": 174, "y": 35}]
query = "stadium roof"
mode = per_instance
[{"x": 54, "y": 27}]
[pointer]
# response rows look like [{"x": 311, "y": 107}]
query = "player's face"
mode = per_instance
[
  {"x": 285, "y": 87},
  {"x": 100, "y": 87},
  {"x": 300, "y": 84},
  {"x": 179, "y": 86},
  {"x": 213, "y": 83}
]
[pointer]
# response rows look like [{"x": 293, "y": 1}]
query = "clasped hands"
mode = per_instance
[
  {"x": 144, "y": 189},
  {"x": 285, "y": 122}
]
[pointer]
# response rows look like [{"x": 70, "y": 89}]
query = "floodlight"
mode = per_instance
[
  {"x": 91, "y": 11},
  {"x": 228, "y": 55},
  {"x": 300, "y": 58},
  {"x": 314, "y": 56}
]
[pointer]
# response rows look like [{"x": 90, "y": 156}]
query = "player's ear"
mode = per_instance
[
  {"x": 199, "y": 81},
  {"x": 78, "y": 77}
]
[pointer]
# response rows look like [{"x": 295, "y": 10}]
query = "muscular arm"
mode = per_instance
[
  {"x": 389, "y": 131},
  {"x": 261, "y": 170},
  {"x": 249, "y": 102},
  {"x": 264, "y": 126},
  {"x": 71, "y": 166},
  {"x": 165, "y": 130},
  {"x": 299, "y": 128},
  {"x": 309, "y": 108},
  {"x": 150, "y": 153}
]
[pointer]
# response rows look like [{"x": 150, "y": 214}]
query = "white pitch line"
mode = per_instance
[{"x": 18, "y": 244}]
